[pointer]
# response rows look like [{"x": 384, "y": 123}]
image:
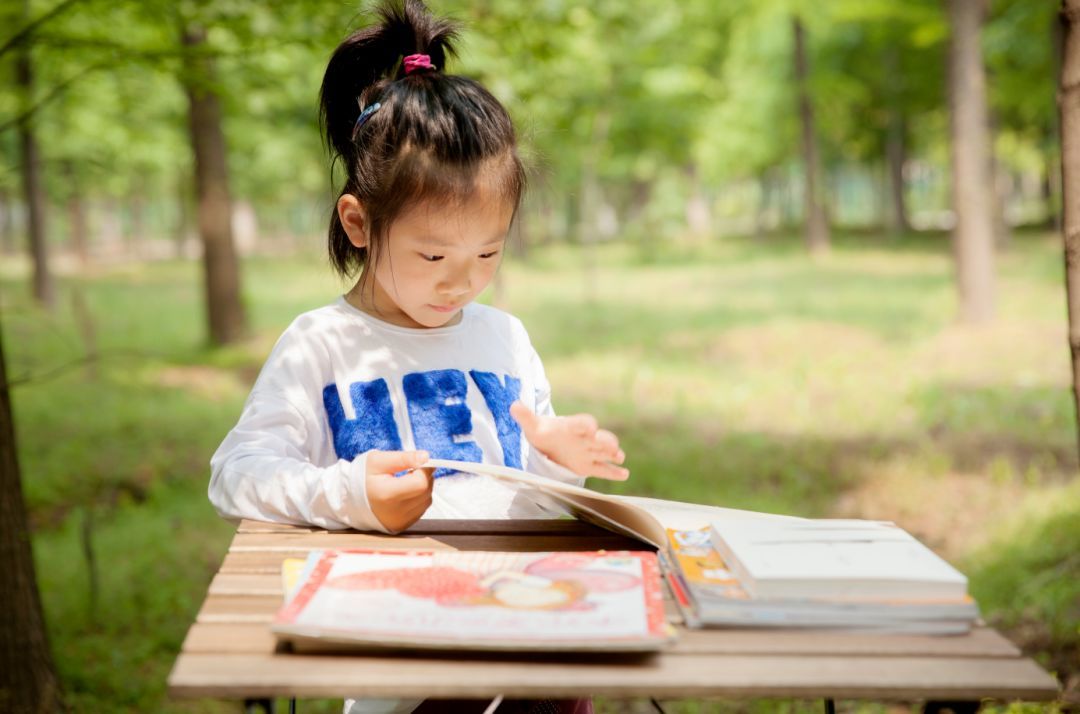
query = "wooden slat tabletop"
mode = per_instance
[{"x": 230, "y": 653}]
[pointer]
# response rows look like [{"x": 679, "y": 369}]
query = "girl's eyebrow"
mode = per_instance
[{"x": 440, "y": 243}]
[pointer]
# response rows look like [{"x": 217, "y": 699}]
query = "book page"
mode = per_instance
[
  {"x": 602, "y": 509},
  {"x": 643, "y": 518},
  {"x": 487, "y": 600},
  {"x": 682, "y": 516}
]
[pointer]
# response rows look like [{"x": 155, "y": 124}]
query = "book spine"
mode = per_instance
[{"x": 732, "y": 561}]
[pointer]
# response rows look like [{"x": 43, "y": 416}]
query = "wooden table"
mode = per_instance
[{"x": 230, "y": 653}]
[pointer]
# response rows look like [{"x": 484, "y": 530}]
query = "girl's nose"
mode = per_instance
[{"x": 456, "y": 285}]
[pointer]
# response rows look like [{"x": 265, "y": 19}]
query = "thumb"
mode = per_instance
[
  {"x": 391, "y": 462},
  {"x": 524, "y": 416}
]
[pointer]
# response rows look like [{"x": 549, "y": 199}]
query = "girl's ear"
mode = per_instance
[{"x": 353, "y": 220}]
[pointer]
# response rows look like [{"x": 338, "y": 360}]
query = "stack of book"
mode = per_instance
[{"x": 855, "y": 575}]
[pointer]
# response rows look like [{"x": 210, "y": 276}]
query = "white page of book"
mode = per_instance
[{"x": 479, "y": 597}]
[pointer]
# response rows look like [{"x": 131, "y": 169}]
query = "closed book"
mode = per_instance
[
  {"x": 709, "y": 594},
  {"x": 834, "y": 559}
]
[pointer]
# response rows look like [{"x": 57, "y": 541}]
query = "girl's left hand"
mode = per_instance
[{"x": 575, "y": 442}]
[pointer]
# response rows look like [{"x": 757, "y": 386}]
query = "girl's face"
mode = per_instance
[{"x": 436, "y": 260}]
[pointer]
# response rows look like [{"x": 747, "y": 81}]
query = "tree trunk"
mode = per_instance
[
  {"x": 591, "y": 199},
  {"x": 77, "y": 215},
  {"x": 1003, "y": 189},
  {"x": 1051, "y": 152},
  {"x": 137, "y": 225},
  {"x": 762, "y": 212},
  {"x": 33, "y": 192},
  {"x": 225, "y": 311},
  {"x": 183, "y": 218},
  {"x": 973, "y": 234},
  {"x": 1069, "y": 121},
  {"x": 896, "y": 144},
  {"x": 7, "y": 223},
  {"x": 637, "y": 215},
  {"x": 787, "y": 201},
  {"x": 896, "y": 155},
  {"x": 28, "y": 681},
  {"x": 698, "y": 212},
  {"x": 816, "y": 225}
]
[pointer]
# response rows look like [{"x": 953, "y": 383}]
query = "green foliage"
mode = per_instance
[
  {"x": 622, "y": 93},
  {"x": 1029, "y": 579}
]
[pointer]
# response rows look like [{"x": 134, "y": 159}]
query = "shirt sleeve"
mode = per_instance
[{"x": 264, "y": 469}]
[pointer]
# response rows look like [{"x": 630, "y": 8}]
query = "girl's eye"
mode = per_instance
[
  {"x": 431, "y": 258},
  {"x": 492, "y": 254}
]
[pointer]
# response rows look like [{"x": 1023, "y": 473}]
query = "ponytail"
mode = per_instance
[
  {"x": 372, "y": 57},
  {"x": 432, "y": 136}
]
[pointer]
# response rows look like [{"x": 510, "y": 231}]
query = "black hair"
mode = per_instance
[{"x": 433, "y": 136}]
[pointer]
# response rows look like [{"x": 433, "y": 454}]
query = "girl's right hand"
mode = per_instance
[{"x": 398, "y": 501}]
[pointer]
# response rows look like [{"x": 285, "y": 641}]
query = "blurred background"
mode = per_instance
[{"x": 802, "y": 257}]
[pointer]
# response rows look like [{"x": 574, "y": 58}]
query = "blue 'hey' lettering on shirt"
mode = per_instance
[{"x": 441, "y": 420}]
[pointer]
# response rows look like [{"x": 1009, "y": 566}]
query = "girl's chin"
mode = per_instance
[{"x": 436, "y": 318}]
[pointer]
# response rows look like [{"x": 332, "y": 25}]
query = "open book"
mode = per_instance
[
  {"x": 646, "y": 519},
  {"x": 562, "y": 601}
]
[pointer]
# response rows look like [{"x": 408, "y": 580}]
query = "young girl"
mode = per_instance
[{"x": 405, "y": 366}]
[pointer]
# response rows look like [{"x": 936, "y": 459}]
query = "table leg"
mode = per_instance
[
  {"x": 830, "y": 706},
  {"x": 960, "y": 707},
  {"x": 251, "y": 706}
]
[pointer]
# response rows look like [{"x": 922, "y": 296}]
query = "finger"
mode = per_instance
[
  {"x": 610, "y": 472},
  {"x": 405, "y": 488},
  {"x": 606, "y": 452},
  {"x": 416, "y": 484},
  {"x": 606, "y": 438},
  {"x": 524, "y": 416},
  {"x": 391, "y": 462},
  {"x": 606, "y": 446},
  {"x": 582, "y": 425}
]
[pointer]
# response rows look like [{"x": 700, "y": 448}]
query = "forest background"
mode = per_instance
[{"x": 750, "y": 246}]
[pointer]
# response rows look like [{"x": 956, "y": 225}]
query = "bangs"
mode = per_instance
[{"x": 418, "y": 177}]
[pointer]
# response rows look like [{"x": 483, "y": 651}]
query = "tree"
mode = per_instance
[
  {"x": 816, "y": 225},
  {"x": 224, "y": 309},
  {"x": 1069, "y": 104},
  {"x": 973, "y": 234},
  {"x": 28, "y": 681},
  {"x": 30, "y": 169}
]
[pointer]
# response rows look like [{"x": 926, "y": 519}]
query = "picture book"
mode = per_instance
[
  {"x": 709, "y": 594},
  {"x": 645, "y": 519},
  {"x": 561, "y": 601},
  {"x": 834, "y": 559}
]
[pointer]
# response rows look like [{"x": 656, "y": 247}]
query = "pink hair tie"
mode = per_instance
[{"x": 415, "y": 62}]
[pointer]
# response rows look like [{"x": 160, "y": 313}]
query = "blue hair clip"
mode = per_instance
[{"x": 362, "y": 119}]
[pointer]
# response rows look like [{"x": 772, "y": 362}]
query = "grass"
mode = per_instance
[{"x": 739, "y": 373}]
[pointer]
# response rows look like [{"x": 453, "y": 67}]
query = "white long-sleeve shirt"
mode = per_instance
[{"x": 340, "y": 382}]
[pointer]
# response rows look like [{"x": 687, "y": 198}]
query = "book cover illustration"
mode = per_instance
[
  {"x": 702, "y": 566},
  {"x": 487, "y": 600}
]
